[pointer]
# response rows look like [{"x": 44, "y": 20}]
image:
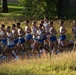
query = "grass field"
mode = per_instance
[{"x": 62, "y": 64}]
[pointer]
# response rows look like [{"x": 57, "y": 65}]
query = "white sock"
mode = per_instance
[
  {"x": 32, "y": 46},
  {"x": 14, "y": 54}
]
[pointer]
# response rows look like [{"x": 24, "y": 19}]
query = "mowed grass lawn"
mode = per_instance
[{"x": 15, "y": 9}]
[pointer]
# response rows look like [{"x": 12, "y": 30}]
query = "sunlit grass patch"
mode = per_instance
[{"x": 62, "y": 64}]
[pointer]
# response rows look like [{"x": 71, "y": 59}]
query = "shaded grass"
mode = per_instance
[{"x": 15, "y": 9}]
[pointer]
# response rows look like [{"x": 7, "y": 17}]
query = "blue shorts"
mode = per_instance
[
  {"x": 53, "y": 38},
  {"x": 21, "y": 40},
  {"x": 62, "y": 37},
  {"x": 40, "y": 40},
  {"x": 0, "y": 40},
  {"x": 45, "y": 37},
  {"x": 35, "y": 39},
  {"x": 11, "y": 46},
  {"x": 16, "y": 41},
  {"x": 0, "y": 47},
  {"x": 29, "y": 37},
  {"x": 4, "y": 41}
]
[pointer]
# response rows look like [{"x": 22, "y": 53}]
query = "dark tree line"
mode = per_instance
[{"x": 66, "y": 9}]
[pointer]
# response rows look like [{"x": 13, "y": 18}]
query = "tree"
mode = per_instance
[
  {"x": 37, "y": 9},
  {"x": 4, "y": 6},
  {"x": 66, "y": 9},
  {"x": 51, "y": 8},
  {"x": 59, "y": 8},
  {"x": 33, "y": 9}
]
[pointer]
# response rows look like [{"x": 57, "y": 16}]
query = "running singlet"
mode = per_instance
[
  {"x": 9, "y": 39},
  {"x": 46, "y": 27}
]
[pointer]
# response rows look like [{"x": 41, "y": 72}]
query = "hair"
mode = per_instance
[
  {"x": 34, "y": 22},
  {"x": 51, "y": 22},
  {"x": 42, "y": 21},
  {"x": 18, "y": 23},
  {"x": 62, "y": 21},
  {"x": 8, "y": 27},
  {"x": 41, "y": 25},
  {"x": 3, "y": 25},
  {"x": 46, "y": 17},
  {"x": 13, "y": 25},
  {"x": 27, "y": 21}
]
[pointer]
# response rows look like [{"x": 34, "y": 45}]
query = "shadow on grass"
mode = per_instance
[{"x": 15, "y": 9}]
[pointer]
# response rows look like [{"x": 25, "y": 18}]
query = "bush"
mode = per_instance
[{"x": 37, "y": 9}]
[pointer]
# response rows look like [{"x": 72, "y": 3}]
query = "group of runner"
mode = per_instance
[{"x": 43, "y": 36}]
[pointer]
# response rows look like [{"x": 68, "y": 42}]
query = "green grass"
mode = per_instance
[
  {"x": 62, "y": 64},
  {"x": 15, "y": 9}
]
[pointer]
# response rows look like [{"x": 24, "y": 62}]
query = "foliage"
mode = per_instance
[
  {"x": 51, "y": 8},
  {"x": 65, "y": 9},
  {"x": 33, "y": 9},
  {"x": 37, "y": 9}
]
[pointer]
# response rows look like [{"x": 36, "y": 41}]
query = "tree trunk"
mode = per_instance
[
  {"x": 66, "y": 9},
  {"x": 60, "y": 8},
  {"x": 4, "y": 6}
]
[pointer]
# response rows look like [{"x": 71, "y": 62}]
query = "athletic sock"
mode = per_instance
[{"x": 15, "y": 54}]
